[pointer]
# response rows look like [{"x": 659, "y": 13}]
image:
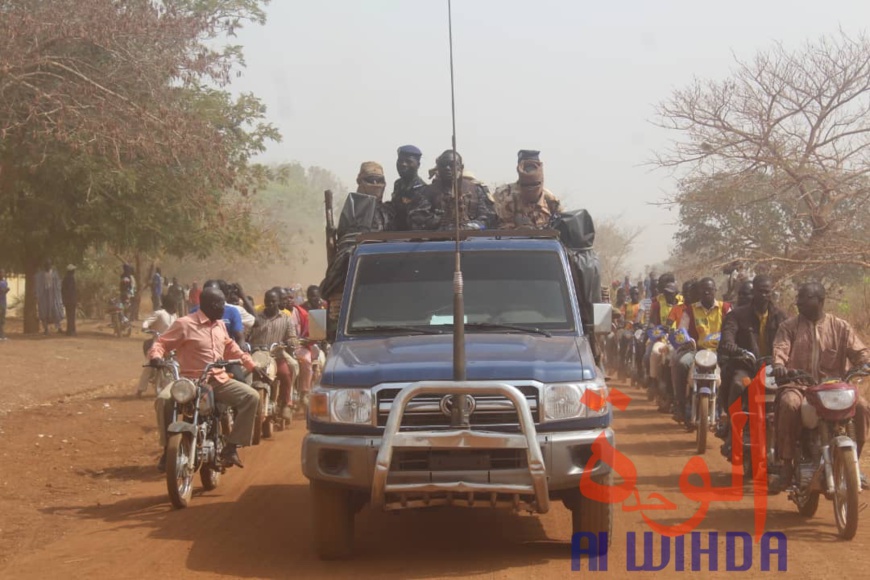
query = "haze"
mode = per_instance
[{"x": 349, "y": 81}]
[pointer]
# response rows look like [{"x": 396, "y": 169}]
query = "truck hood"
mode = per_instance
[{"x": 368, "y": 362}]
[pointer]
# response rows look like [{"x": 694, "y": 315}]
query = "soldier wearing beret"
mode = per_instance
[
  {"x": 408, "y": 187},
  {"x": 526, "y": 203},
  {"x": 435, "y": 208}
]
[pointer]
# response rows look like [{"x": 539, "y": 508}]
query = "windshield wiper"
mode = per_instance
[
  {"x": 493, "y": 326},
  {"x": 396, "y": 328}
]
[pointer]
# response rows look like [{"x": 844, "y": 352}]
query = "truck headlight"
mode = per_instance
[
  {"x": 352, "y": 406},
  {"x": 562, "y": 402},
  {"x": 575, "y": 400},
  {"x": 333, "y": 405}
]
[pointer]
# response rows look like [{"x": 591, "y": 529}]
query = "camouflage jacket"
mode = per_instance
[
  {"x": 434, "y": 209},
  {"x": 513, "y": 212}
]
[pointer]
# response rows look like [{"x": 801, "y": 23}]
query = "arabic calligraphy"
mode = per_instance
[{"x": 695, "y": 470}]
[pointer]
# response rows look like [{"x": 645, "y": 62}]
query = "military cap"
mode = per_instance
[
  {"x": 528, "y": 154},
  {"x": 409, "y": 150}
]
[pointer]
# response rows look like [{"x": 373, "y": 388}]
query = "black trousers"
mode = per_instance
[{"x": 70, "y": 319}]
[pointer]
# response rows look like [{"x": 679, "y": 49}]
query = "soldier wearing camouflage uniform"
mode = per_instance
[
  {"x": 526, "y": 203},
  {"x": 435, "y": 208}
]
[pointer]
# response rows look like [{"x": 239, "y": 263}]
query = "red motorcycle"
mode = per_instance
[{"x": 827, "y": 455}]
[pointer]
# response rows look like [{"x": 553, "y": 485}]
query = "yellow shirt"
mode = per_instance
[
  {"x": 707, "y": 322},
  {"x": 763, "y": 347},
  {"x": 665, "y": 308}
]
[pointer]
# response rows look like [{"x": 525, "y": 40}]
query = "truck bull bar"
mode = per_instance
[{"x": 461, "y": 493}]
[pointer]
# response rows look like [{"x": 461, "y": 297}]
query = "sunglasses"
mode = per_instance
[{"x": 374, "y": 180}]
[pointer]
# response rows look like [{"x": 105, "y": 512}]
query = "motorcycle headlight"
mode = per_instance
[
  {"x": 837, "y": 400},
  {"x": 705, "y": 359},
  {"x": 183, "y": 391}
]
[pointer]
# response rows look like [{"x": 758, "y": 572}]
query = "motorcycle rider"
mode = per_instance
[
  {"x": 314, "y": 301},
  {"x": 159, "y": 321},
  {"x": 666, "y": 300},
  {"x": 701, "y": 319},
  {"x": 750, "y": 326},
  {"x": 272, "y": 326},
  {"x": 824, "y": 346},
  {"x": 630, "y": 313},
  {"x": 200, "y": 339},
  {"x": 299, "y": 316}
]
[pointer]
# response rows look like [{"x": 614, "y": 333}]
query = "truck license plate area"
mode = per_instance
[{"x": 459, "y": 460}]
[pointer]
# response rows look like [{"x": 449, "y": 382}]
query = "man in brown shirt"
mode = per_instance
[{"x": 825, "y": 347}]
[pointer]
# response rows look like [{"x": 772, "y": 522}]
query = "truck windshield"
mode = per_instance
[{"x": 525, "y": 289}]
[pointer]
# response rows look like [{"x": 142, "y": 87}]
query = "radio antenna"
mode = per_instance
[{"x": 459, "y": 413}]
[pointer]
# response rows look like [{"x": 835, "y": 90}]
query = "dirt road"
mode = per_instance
[{"x": 80, "y": 498}]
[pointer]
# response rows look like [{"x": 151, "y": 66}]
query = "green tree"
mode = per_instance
[{"x": 116, "y": 130}]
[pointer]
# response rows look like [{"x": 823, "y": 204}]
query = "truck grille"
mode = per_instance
[
  {"x": 458, "y": 459},
  {"x": 425, "y": 412}
]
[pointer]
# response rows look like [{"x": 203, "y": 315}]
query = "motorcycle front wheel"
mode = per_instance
[
  {"x": 703, "y": 422},
  {"x": 179, "y": 476},
  {"x": 846, "y": 488}
]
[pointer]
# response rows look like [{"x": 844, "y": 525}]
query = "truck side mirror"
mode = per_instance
[
  {"x": 603, "y": 317},
  {"x": 317, "y": 324}
]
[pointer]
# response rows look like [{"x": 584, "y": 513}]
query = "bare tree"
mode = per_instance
[
  {"x": 800, "y": 122},
  {"x": 614, "y": 243}
]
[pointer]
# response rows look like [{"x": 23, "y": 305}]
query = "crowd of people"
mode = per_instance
[
  {"x": 226, "y": 324},
  {"x": 678, "y": 323}
]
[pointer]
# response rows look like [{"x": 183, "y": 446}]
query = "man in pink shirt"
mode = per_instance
[{"x": 199, "y": 339}]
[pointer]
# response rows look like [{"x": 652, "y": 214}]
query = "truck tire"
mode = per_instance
[
  {"x": 333, "y": 517},
  {"x": 588, "y": 515}
]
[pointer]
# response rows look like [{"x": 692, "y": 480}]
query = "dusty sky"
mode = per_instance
[{"x": 348, "y": 81}]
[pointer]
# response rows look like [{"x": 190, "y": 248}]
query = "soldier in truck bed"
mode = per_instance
[
  {"x": 526, "y": 203},
  {"x": 434, "y": 208},
  {"x": 409, "y": 186}
]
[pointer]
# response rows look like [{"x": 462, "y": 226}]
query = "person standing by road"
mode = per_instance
[
  {"x": 526, "y": 203},
  {"x": 409, "y": 186},
  {"x": 48, "y": 297},
  {"x": 4, "y": 290},
  {"x": 156, "y": 289},
  {"x": 200, "y": 339},
  {"x": 70, "y": 299},
  {"x": 193, "y": 297}
]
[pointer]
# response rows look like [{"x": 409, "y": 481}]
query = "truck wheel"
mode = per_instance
[
  {"x": 333, "y": 516},
  {"x": 588, "y": 515}
]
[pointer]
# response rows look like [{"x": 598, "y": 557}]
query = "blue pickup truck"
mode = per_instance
[{"x": 379, "y": 423}]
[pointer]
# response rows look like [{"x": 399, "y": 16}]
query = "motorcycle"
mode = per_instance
[
  {"x": 121, "y": 323},
  {"x": 160, "y": 378},
  {"x": 269, "y": 415},
  {"x": 703, "y": 409},
  {"x": 197, "y": 434},
  {"x": 762, "y": 370},
  {"x": 827, "y": 455},
  {"x": 656, "y": 386}
]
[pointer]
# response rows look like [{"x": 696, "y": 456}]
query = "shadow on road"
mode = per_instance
[{"x": 265, "y": 534}]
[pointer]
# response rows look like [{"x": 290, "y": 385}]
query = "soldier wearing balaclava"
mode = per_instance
[{"x": 526, "y": 203}]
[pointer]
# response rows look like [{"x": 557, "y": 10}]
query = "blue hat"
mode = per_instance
[
  {"x": 410, "y": 150},
  {"x": 528, "y": 154}
]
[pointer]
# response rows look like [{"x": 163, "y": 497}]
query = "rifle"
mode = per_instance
[{"x": 331, "y": 241}]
